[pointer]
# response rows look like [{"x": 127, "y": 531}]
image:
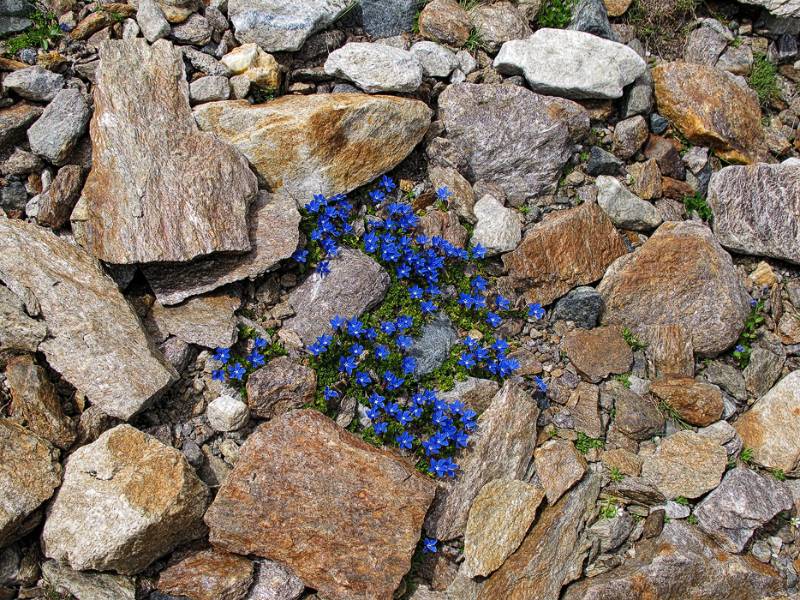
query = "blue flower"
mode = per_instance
[
  {"x": 467, "y": 360},
  {"x": 443, "y": 193},
  {"x": 502, "y": 303},
  {"x": 260, "y": 343},
  {"x": 536, "y": 311},
  {"x": 300, "y": 256},
  {"x": 404, "y": 342},
  {"x": 222, "y": 355},
  {"x": 392, "y": 381},
  {"x": 415, "y": 292},
  {"x": 462, "y": 439},
  {"x": 316, "y": 204},
  {"x": 218, "y": 375},
  {"x": 500, "y": 345},
  {"x": 478, "y": 251},
  {"x": 404, "y": 322},
  {"x": 355, "y": 328},
  {"x": 255, "y": 358},
  {"x": 388, "y": 183},
  {"x": 443, "y": 467},
  {"x": 380, "y": 428},
  {"x": 540, "y": 383},
  {"x": 356, "y": 350},
  {"x": 323, "y": 268},
  {"x": 381, "y": 352},
  {"x": 429, "y": 545},
  {"x": 347, "y": 364},
  {"x": 739, "y": 348},
  {"x": 388, "y": 327},
  {"x": 330, "y": 394},
  {"x": 363, "y": 379},
  {"x": 493, "y": 319},
  {"x": 427, "y": 307},
  {"x": 338, "y": 322},
  {"x": 236, "y": 371},
  {"x": 409, "y": 364},
  {"x": 377, "y": 196},
  {"x": 404, "y": 440},
  {"x": 478, "y": 283},
  {"x": 753, "y": 302}
]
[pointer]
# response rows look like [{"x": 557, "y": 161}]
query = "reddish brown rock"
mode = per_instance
[
  {"x": 446, "y": 22},
  {"x": 569, "y": 248},
  {"x": 344, "y": 515},
  {"x": 598, "y": 352},
  {"x": 279, "y": 386},
  {"x": 208, "y": 575},
  {"x": 96, "y": 20},
  {"x": 445, "y": 225},
  {"x": 668, "y": 349},
  {"x": 559, "y": 466},
  {"x": 57, "y": 201},
  {"x": 697, "y": 403}
]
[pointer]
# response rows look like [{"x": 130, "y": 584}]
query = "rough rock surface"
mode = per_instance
[
  {"x": 444, "y": 21},
  {"x": 569, "y": 248},
  {"x": 58, "y": 200},
  {"x": 273, "y": 237},
  {"x": 273, "y": 581},
  {"x": 279, "y": 386},
  {"x": 682, "y": 276},
  {"x": 571, "y": 64},
  {"x": 87, "y": 585},
  {"x": 598, "y": 352},
  {"x": 359, "y": 550},
  {"x": 779, "y": 8},
  {"x": 757, "y": 209},
  {"x": 195, "y": 203},
  {"x": 61, "y": 125},
  {"x": 29, "y": 474},
  {"x": 34, "y": 83},
  {"x": 433, "y": 345},
  {"x": 497, "y": 23},
  {"x": 208, "y": 575},
  {"x": 626, "y": 210},
  {"x": 636, "y": 416},
  {"x": 582, "y": 306},
  {"x": 101, "y": 348},
  {"x": 206, "y": 320},
  {"x": 559, "y": 466},
  {"x": 126, "y": 500},
  {"x": 668, "y": 350},
  {"x": 711, "y": 108},
  {"x": 376, "y": 67},
  {"x": 498, "y": 229},
  {"x": 227, "y": 413},
  {"x": 17, "y": 330},
  {"x": 508, "y": 135},
  {"x": 342, "y": 292},
  {"x": 306, "y": 145},
  {"x": 697, "y": 403}
]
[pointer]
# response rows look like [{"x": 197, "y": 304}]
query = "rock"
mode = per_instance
[
  {"x": 612, "y": 533},
  {"x": 624, "y": 208},
  {"x": 568, "y": 248},
  {"x": 707, "y": 42},
  {"x": 636, "y": 490},
  {"x": 433, "y": 345},
  {"x": 646, "y": 179},
  {"x": 280, "y": 386},
  {"x": 571, "y": 64},
  {"x": 629, "y": 136},
  {"x": 766, "y": 364},
  {"x": 475, "y": 393},
  {"x": 498, "y": 229},
  {"x": 638, "y": 99},
  {"x": 128, "y": 213},
  {"x": 99, "y": 348},
  {"x": 14, "y": 121},
  {"x": 61, "y": 125},
  {"x": 208, "y": 575},
  {"x": 21, "y": 163},
  {"x": 636, "y": 416},
  {"x": 87, "y": 586},
  {"x": 17, "y": 330},
  {"x": 509, "y": 136},
  {"x": 58, "y": 200},
  {"x": 318, "y": 299},
  {"x": 444, "y": 225},
  {"x": 382, "y": 19},
  {"x": 546, "y": 560},
  {"x": 279, "y": 26},
  {"x": 498, "y": 23},
  {"x": 668, "y": 350},
  {"x": 444, "y": 21},
  {"x": 743, "y": 502},
  {"x": 757, "y": 209},
  {"x": 209, "y": 89},
  {"x": 598, "y": 352},
  {"x": 730, "y": 123},
  {"x": 375, "y": 67},
  {"x": 582, "y": 306},
  {"x": 602, "y": 163},
  {"x": 260, "y": 68},
  {"x": 151, "y": 21},
  {"x": 273, "y": 581},
  {"x": 227, "y": 413},
  {"x": 34, "y": 83},
  {"x": 463, "y": 197},
  {"x": 770, "y": 426},
  {"x": 625, "y": 461},
  {"x": 273, "y": 237},
  {"x": 679, "y": 276},
  {"x": 203, "y": 62},
  {"x": 306, "y": 145},
  {"x": 666, "y": 154},
  {"x": 685, "y": 464},
  {"x": 779, "y": 8},
  {"x": 35, "y": 402},
  {"x": 29, "y": 474},
  {"x": 591, "y": 16},
  {"x": 194, "y": 30},
  {"x": 97, "y": 20},
  {"x": 435, "y": 60},
  {"x": 206, "y": 320},
  {"x": 559, "y": 466},
  {"x": 127, "y": 499},
  {"x": 582, "y": 409},
  {"x": 15, "y": 15},
  {"x": 697, "y": 403},
  {"x": 361, "y": 549},
  {"x": 681, "y": 563},
  {"x": 498, "y": 520},
  {"x": 501, "y": 447},
  {"x": 13, "y": 197},
  {"x": 727, "y": 377}
]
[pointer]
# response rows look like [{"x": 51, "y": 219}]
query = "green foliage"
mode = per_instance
[
  {"x": 616, "y": 475},
  {"x": 779, "y": 474},
  {"x": 682, "y": 500},
  {"x": 624, "y": 379},
  {"x": 630, "y": 338},
  {"x": 746, "y": 456},
  {"x": 475, "y": 40},
  {"x": 764, "y": 80},
  {"x": 584, "y": 443},
  {"x": 691, "y": 520},
  {"x": 43, "y": 34},
  {"x": 555, "y": 14},
  {"x": 468, "y": 5},
  {"x": 697, "y": 204},
  {"x": 744, "y": 345},
  {"x": 668, "y": 411},
  {"x": 261, "y": 95},
  {"x": 608, "y": 508}
]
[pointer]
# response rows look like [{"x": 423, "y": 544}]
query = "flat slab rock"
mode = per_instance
[
  {"x": 376, "y": 67},
  {"x": 207, "y": 320},
  {"x": 18, "y": 331},
  {"x": 682, "y": 276},
  {"x": 354, "y": 530},
  {"x": 208, "y": 575},
  {"x": 93, "y": 586},
  {"x": 127, "y": 499},
  {"x": 194, "y": 203},
  {"x": 757, "y": 209},
  {"x": 306, "y": 145},
  {"x": 598, "y": 352},
  {"x": 96, "y": 340}
]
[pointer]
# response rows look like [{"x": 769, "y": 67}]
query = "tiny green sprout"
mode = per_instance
[
  {"x": 584, "y": 443},
  {"x": 682, "y": 500},
  {"x": 746, "y": 456},
  {"x": 794, "y": 522},
  {"x": 630, "y": 338},
  {"x": 668, "y": 411},
  {"x": 779, "y": 474},
  {"x": 697, "y": 204},
  {"x": 608, "y": 508},
  {"x": 616, "y": 475},
  {"x": 691, "y": 520},
  {"x": 624, "y": 379}
]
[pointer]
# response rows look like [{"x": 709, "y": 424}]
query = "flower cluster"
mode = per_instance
[
  {"x": 236, "y": 369},
  {"x": 333, "y": 221}
]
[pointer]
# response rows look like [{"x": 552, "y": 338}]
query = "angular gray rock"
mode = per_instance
[
  {"x": 510, "y": 136},
  {"x": 433, "y": 346},
  {"x": 209, "y": 89},
  {"x": 375, "y": 67},
  {"x": 278, "y": 25},
  {"x": 497, "y": 23},
  {"x": 195, "y": 30},
  {"x": 743, "y": 502},
  {"x": 96, "y": 340},
  {"x": 499, "y": 229},
  {"x": 18, "y": 331},
  {"x": 779, "y": 8},
  {"x": 435, "y": 59},
  {"x": 591, "y": 16},
  {"x": 582, "y": 305},
  {"x": 227, "y": 413},
  {"x": 206, "y": 320},
  {"x": 61, "y": 125},
  {"x": 15, "y": 15},
  {"x": 625, "y": 209},
  {"x": 757, "y": 209},
  {"x": 34, "y": 83},
  {"x": 88, "y": 586},
  {"x": 152, "y": 22},
  {"x": 273, "y": 237},
  {"x": 14, "y": 121},
  {"x": 355, "y": 284},
  {"x": 571, "y": 64},
  {"x": 387, "y": 18},
  {"x": 195, "y": 203},
  {"x": 273, "y": 581}
]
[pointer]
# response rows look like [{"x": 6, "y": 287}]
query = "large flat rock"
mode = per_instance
[
  {"x": 96, "y": 340},
  {"x": 320, "y": 144},
  {"x": 159, "y": 189},
  {"x": 343, "y": 515}
]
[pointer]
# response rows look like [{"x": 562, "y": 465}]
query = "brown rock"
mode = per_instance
[
  {"x": 582, "y": 407},
  {"x": 279, "y": 386},
  {"x": 106, "y": 16},
  {"x": 675, "y": 188},
  {"x": 35, "y": 402},
  {"x": 711, "y": 108},
  {"x": 355, "y": 530},
  {"x": 445, "y": 225},
  {"x": 446, "y": 22},
  {"x": 646, "y": 179},
  {"x": 625, "y": 461},
  {"x": 682, "y": 276},
  {"x": 667, "y": 156},
  {"x": 636, "y": 416},
  {"x": 629, "y": 136},
  {"x": 14, "y": 121},
  {"x": 17, "y": 330},
  {"x": 306, "y": 145},
  {"x": 57, "y": 201},
  {"x": 29, "y": 474},
  {"x": 463, "y": 198},
  {"x": 498, "y": 22},
  {"x": 195, "y": 203},
  {"x": 206, "y": 320},
  {"x": 559, "y": 466},
  {"x": 789, "y": 328},
  {"x": 597, "y": 352},
  {"x": 697, "y": 403},
  {"x": 569, "y": 248},
  {"x": 617, "y": 8},
  {"x": 208, "y": 575},
  {"x": 668, "y": 350}
]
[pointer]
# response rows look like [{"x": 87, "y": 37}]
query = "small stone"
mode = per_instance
[
  {"x": 498, "y": 229},
  {"x": 273, "y": 581},
  {"x": 617, "y": 8},
  {"x": 227, "y": 413},
  {"x": 151, "y": 20},
  {"x": 195, "y": 30},
  {"x": 18, "y": 331},
  {"x": 559, "y": 466},
  {"x": 206, "y": 320},
  {"x": 208, "y": 575},
  {"x": 582, "y": 305},
  {"x": 707, "y": 42},
  {"x": 209, "y": 89},
  {"x": 498, "y": 23},
  {"x": 766, "y": 364},
  {"x": 462, "y": 197},
  {"x": 727, "y": 377},
  {"x": 638, "y": 99},
  {"x": 612, "y": 533},
  {"x": 436, "y": 60},
  {"x": 34, "y": 83},
  {"x": 376, "y": 67},
  {"x": 382, "y": 19},
  {"x": 444, "y": 21},
  {"x": 61, "y": 125},
  {"x": 240, "y": 86},
  {"x": 629, "y": 136},
  {"x": 433, "y": 345},
  {"x": 203, "y": 62},
  {"x": 591, "y": 16},
  {"x": 625, "y": 209},
  {"x": 602, "y": 163},
  {"x": 697, "y": 403},
  {"x": 279, "y": 386},
  {"x": 646, "y": 179},
  {"x": 598, "y": 352},
  {"x": 260, "y": 68},
  {"x": 664, "y": 152},
  {"x": 21, "y": 163},
  {"x": 58, "y": 200},
  {"x": 636, "y": 416}
]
